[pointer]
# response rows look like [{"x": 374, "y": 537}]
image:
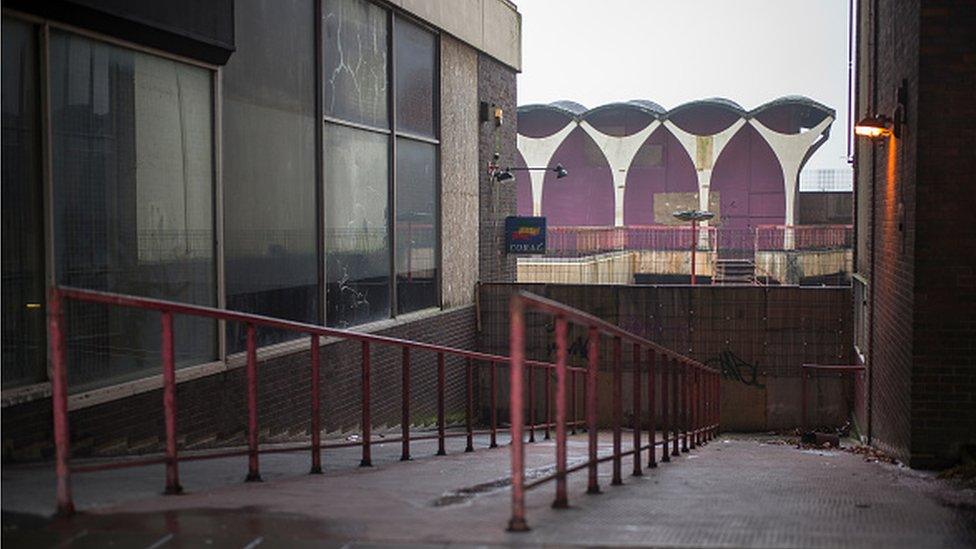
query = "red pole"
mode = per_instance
[
  {"x": 593, "y": 485},
  {"x": 469, "y": 399},
  {"x": 692, "y": 407},
  {"x": 618, "y": 411},
  {"x": 315, "y": 427},
  {"x": 441, "y": 451},
  {"x": 675, "y": 406},
  {"x": 494, "y": 407},
  {"x": 252, "y": 407},
  {"x": 367, "y": 421},
  {"x": 637, "y": 410},
  {"x": 405, "y": 406},
  {"x": 548, "y": 404},
  {"x": 572, "y": 379},
  {"x": 665, "y": 423},
  {"x": 169, "y": 404},
  {"x": 59, "y": 402},
  {"x": 652, "y": 428},
  {"x": 517, "y": 337},
  {"x": 531, "y": 373},
  {"x": 694, "y": 246},
  {"x": 684, "y": 407},
  {"x": 561, "y": 499},
  {"x": 803, "y": 399}
]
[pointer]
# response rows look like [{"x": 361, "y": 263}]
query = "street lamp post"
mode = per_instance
[{"x": 694, "y": 216}]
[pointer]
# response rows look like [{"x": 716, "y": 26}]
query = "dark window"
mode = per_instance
[
  {"x": 133, "y": 202},
  {"x": 416, "y": 223},
  {"x": 23, "y": 230},
  {"x": 269, "y": 150},
  {"x": 356, "y": 226},
  {"x": 415, "y": 96}
]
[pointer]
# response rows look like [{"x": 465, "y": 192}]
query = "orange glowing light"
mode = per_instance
[{"x": 873, "y": 127}]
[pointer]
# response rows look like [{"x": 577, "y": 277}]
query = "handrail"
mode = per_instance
[
  {"x": 694, "y": 405},
  {"x": 59, "y": 388}
]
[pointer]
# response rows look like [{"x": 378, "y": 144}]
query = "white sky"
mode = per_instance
[{"x": 672, "y": 51}]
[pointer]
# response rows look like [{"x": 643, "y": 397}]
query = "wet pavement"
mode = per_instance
[{"x": 737, "y": 491}]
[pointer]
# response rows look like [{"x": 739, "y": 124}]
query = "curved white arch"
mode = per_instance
[
  {"x": 704, "y": 151},
  {"x": 619, "y": 152},
  {"x": 537, "y": 152},
  {"x": 790, "y": 149}
]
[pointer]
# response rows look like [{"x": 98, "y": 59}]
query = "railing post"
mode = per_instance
[
  {"x": 692, "y": 407},
  {"x": 516, "y": 352},
  {"x": 593, "y": 484},
  {"x": 618, "y": 409},
  {"x": 561, "y": 500},
  {"x": 494, "y": 406},
  {"x": 405, "y": 405},
  {"x": 652, "y": 428},
  {"x": 59, "y": 402},
  {"x": 531, "y": 373},
  {"x": 315, "y": 426},
  {"x": 469, "y": 408},
  {"x": 803, "y": 399},
  {"x": 675, "y": 406},
  {"x": 441, "y": 450},
  {"x": 572, "y": 379},
  {"x": 253, "y": 475},
  {"x": 718, "y": 403},
  {"x": 367, "y": 420},
  {"x": 169, "y": 404},
  {"x": 637, "y": 409},
  {"x": 547, "y": 403},
  {"x": 665, "y": 409},
  {"x": 684, "y": 407}
]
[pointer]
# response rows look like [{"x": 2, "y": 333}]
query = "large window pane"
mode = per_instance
[
  {"x": 356, "y": 226},
  {"x": 133, "y": 201},
  {"x": 415, "y": 57},
  {"x": 355, "y": 73},
  {"x": 269, "y": 167},
  {"x": 416, "y": 225},
  {"x": 23, "y": 232}
]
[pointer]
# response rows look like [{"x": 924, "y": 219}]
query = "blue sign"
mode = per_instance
[{"x": 525, "y": 235}]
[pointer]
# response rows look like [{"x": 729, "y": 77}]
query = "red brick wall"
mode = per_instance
[{"x": 944, "y": 376}]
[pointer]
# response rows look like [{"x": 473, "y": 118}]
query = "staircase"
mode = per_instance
[{"x": 735, "y": 272}]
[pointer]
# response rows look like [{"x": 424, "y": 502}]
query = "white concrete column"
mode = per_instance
[
  {"x": 619, "y": 152},
  {"x": 537, "y": 152}
]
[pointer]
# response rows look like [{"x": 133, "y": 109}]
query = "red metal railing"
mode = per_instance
[
  {"x": 805, "y": 371},
  {"x": 803, "y": 237},
  {"x": 690, "y": 416},
  {"x": 172, "y": 458},
  {"x": 572, "y": 241}
]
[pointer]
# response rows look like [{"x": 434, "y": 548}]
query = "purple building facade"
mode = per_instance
[{"x": 635, "y": 163}]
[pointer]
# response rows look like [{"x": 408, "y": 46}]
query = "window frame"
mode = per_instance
[
  {"x": 43, "y": 27},
  {"x": 392, "y": 134}
]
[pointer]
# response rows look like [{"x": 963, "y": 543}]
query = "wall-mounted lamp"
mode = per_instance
[
  {"x": 877, "y": 126},
  {"x": 501, "y": 175}
]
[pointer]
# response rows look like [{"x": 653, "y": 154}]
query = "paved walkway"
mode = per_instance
[{"x": 738, "y": 491}]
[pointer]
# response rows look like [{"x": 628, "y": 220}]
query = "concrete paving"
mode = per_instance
[{"x": 738, "y": 491}]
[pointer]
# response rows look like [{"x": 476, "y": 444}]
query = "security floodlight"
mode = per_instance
[
  {"x": 501, "y": 175},
  {"x": 874, "y": 127}
]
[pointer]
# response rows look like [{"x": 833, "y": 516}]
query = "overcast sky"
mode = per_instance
[{"x": 672, "y": 51}]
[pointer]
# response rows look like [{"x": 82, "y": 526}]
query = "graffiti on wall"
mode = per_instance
[{"x": 733, "y": 367}]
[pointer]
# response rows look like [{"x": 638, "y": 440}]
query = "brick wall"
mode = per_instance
[
  {"x": 496, "y": 87},
  {"x": 889, "y": 54},
  {"x": 758, "y": 336},
  {"x": 212, "y": 410},
  {"x": 943, "y": 394}
]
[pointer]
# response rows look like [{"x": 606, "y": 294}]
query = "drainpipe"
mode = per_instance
[{"x": 874, "y": 184}]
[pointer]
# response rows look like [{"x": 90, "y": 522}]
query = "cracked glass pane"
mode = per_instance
[
  {"x": 416, "y": 226},
  {"x": 356, "y": 226},
  {"x": 415, "y": 96},
  {"x": 355, "y": 73}
]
